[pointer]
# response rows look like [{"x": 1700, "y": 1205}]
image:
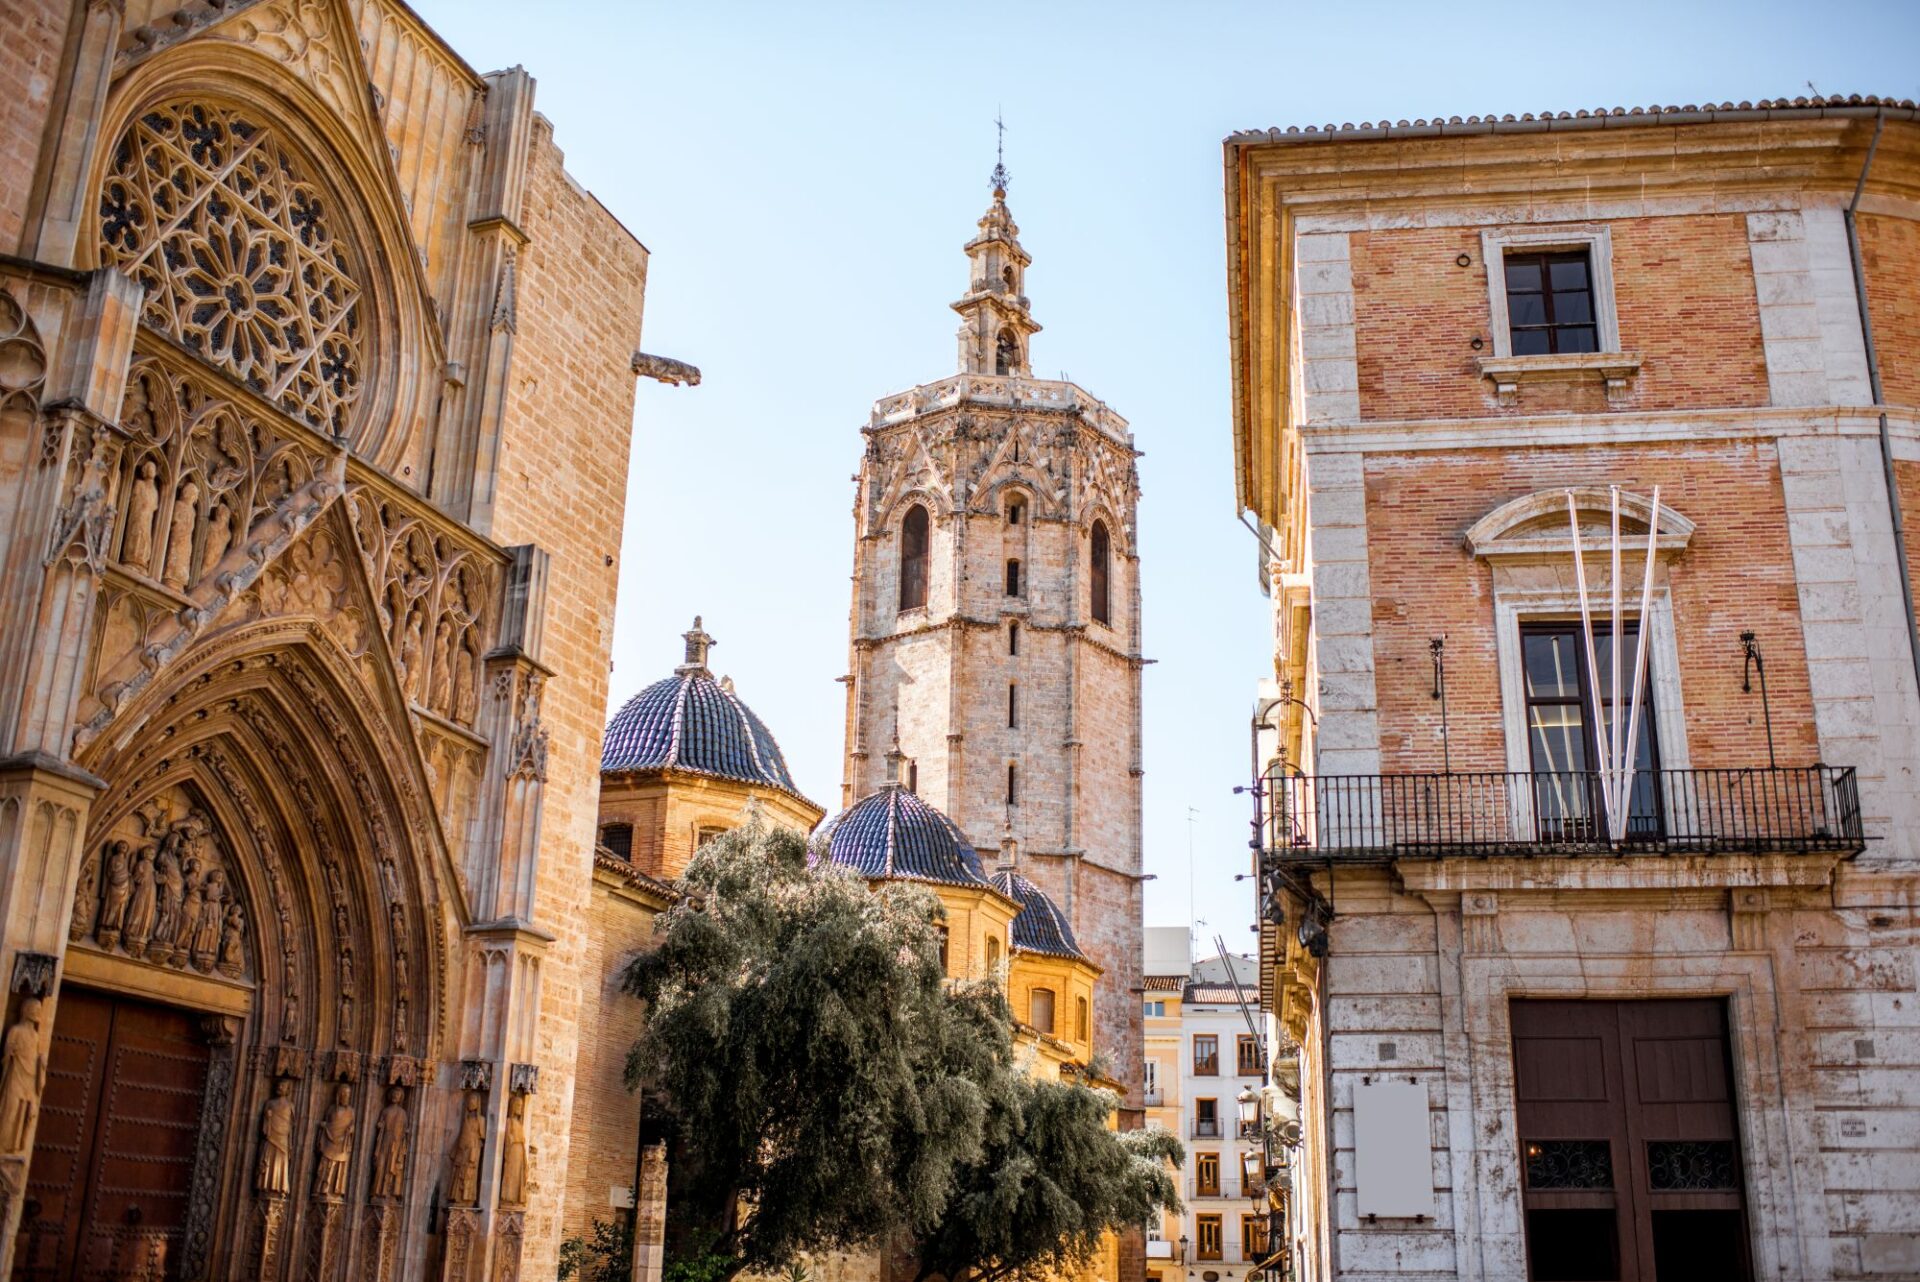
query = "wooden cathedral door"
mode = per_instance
[{"x": 113, "y": 1156}]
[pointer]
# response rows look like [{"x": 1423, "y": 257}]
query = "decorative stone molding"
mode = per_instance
[
  {"x": 523, "y": 1079},
  {"x": 1617, "y": 370},
  {"x": 1747, "y": 908},
  {"x": 1535, "y": 525},
  {"x": 1480, "y": 922},
  {"x": 33, "y": 973},
  {"x": 476, "y": 1075}
]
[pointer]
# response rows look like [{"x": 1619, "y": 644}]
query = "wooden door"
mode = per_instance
[
  {"x": 1629, "y": 1148},
  {"x": 113, "y": 1156}
]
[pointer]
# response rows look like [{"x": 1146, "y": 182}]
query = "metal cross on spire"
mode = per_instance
[{"x": 1000, "y": 155}]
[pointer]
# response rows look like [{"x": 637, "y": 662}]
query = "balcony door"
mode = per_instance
[
  {"x": 1629, "y": 1147},
  {"x": 1562, "y": 725}
]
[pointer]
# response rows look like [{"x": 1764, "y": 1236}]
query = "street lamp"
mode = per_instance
[
  {"x": 1249, "y": 1103},
  {"x": 1184, "y": 1239}
]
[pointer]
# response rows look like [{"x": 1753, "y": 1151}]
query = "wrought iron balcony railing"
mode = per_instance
[{"x": 1791, "y": 810}]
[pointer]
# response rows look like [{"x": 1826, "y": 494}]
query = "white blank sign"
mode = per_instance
[{"x": 1392, "y": 1142}]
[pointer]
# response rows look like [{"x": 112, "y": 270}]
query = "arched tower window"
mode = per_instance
[
  {"x": 1013, "y": 785},
  {"x": 1040, "y": 1010},
  {"x": 913, "y": 559},
  {"x": 1016, "y": 511},
  {"x": 1013, "y": 577},
  {"x": 1080, "y": 1018},
  {"x": 1097, "y": 579},
  {"x": 1013, "y": 638},
  {"x": 1006, "y": 353}
]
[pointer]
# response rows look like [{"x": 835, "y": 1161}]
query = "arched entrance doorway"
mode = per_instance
[{"x": 249, "y": 1003}]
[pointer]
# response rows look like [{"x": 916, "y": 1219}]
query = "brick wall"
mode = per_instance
[
  {"x": 32, "y": 34},
  {"x": 1737, "y": 574},
  {"x": 563, "y": 472},
  {"x": 1684, "y": 296},
  {"x": 1890, "y": 254}
]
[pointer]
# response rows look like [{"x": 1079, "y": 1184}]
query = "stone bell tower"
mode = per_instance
[{"x": 995, "y": 625}]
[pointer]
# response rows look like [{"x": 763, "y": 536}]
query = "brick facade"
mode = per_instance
[{"x": 1385, "y": 450}]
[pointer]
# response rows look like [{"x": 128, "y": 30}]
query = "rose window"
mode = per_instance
[{"x": 237, "y": 250}]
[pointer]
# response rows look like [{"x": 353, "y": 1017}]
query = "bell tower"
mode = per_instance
[{"x": 995, "y": 623}]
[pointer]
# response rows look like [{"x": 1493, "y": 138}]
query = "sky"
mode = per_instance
[{"x": 804, "y": 175}]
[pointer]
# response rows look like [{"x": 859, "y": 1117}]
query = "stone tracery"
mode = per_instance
[{"x": 239, "y": 251}]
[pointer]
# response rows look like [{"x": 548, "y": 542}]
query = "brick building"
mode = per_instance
[
  {"x": 304, "y": 670},
  {"x": 1582, "y": 986}
]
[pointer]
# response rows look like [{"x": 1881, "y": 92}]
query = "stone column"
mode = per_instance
[{"x": 650, "y": 1216}]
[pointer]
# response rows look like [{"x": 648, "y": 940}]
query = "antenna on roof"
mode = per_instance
[{"x": 999, "y": 175}]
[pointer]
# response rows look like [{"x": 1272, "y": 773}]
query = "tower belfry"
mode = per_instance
[
  {"x": 995, "y": 324},
  {"x": 995, "y": 628}
]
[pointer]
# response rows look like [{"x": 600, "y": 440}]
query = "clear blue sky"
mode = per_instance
[{"x": 805, "y": 174}]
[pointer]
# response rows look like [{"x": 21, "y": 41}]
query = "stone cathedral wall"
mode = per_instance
[{"x": 563, "y": 469}]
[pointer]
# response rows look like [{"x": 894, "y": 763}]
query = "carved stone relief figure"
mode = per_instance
[
  {"x": 142, "y": 504},
  {"x": 138, "y": 928},
  {"x": 335, "y": 1143},
  {"x": 119, "y": 890},
  {"x": 171, "y": 884},
  {"x": 206, "y": 926},
  {"x": 440, "y": 698},
  {"x": 86, "y": 898},
  {"x": 466, "y": 1153},
  {"x": 23, "y": 1074},
  {"x": 273, "y": 1175},
  {"x": 412, "y": 661},
  {"x": 390, "y": 1147},
  {"x": 465, "y": 702},
  {"x": 513, "y": 1153},
  {"x": 219, "y": 535},
  {"x": 232, "y": 941},
  {"x": 180, "y": 536}
]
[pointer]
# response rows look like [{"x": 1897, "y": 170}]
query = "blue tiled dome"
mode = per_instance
[
  {"x": 693, "y": 723},
  {"x": 893, "y": 833},
  {"x": 1039, "y": 926}
]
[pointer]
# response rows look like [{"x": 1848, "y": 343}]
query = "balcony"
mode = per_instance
[
  {"x": 1153, "y": 1097},
  {"x": 1757, "y": 810},
  {"x": 1206, "y": 1128}
]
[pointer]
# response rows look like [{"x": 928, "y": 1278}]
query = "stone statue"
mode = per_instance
[
  {"x": 205, "y": 923},
  {"x": 513, "y": 1153},
  {"x": 412, "y": 662},
  {"x": 119, "y": 890},
  {"x": 86, "y": 898},
  {"x": 464, "y": 706},
  {"x": 390, "y": 1147},
  {"x": 141, "y": 506},
  {"x": 180, "y": 536},
  {"x": 23, "y": 1074},
  {"x": 335, "y": 1143},
  {"x": 138, "y": 928},
  {"x": 171, "y": 886},
  {"x": 276, "y": 1141},
  {"x": 440, "y": 696},
  {"x": 233, "y": 938},
  {"x": 466, "y": 1154},
  {"x": 219, "y": 535}
]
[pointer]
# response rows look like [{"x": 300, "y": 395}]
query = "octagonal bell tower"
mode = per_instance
[{"x": 995, "y": 626}]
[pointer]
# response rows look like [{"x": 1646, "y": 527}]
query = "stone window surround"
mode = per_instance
[
  {"x": 1595, "y": 238},
  {"x": 1513, "y": 606},
  {"x": 1490, "y": 984},
  {"x": 1615, "y": 366}
]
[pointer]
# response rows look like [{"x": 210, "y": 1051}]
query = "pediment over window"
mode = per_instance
[{"x": 1536, "y": 525}]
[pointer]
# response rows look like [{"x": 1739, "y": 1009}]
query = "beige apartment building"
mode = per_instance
[{"x": 1586, "y": 450}]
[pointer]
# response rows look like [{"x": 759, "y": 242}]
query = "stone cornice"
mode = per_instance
[{"x": 1407, "y": 436}]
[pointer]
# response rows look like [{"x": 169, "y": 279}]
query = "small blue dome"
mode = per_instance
[
  {"x": 693, "y": 723},
  {"x": 1039, "y": 926},
  {"x": 893, "y": 833}
]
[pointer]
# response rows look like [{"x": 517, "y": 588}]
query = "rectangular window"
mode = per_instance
[
  {"x": 1013, "y": 578},
  {"x": 1253, "y": 1237},
  {"x": 1208, "y": 1229},
  {"x": 1156, "y": 1010},
  {"x": 1013, "y": 707},
  {"x": 1206, "y": 1055},
  {"x": 1550, "y": 302},
  {"x": 1013, "y": 638},
  {"x": 941, "y": 933},
  {"x": 618, "y": 839},
  {"x": 1013, "y": 786},
  {"x": 1206, "y": 1119},
  {"x": 1150, "y": 1079},
  {"x": 1562, "y": 725},
  {"x": 1206, "y": 1169},
  {"x": 1249, "y": 1056}
]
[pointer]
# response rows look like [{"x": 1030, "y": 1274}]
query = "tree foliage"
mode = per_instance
[{"x": 822, "y": 1072}]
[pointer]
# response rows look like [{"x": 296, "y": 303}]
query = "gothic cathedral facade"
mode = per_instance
[
  {"x": 995, "y": 625},
  {"x": 301, "y": 682}
]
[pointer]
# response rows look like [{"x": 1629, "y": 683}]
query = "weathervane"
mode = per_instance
[{"x": 1000, "y": 155}]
